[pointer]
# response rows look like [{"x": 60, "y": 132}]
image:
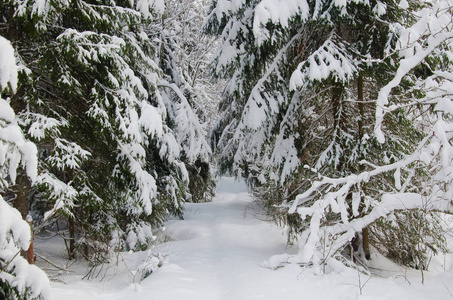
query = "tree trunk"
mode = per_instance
[
  {"x": 337, "y": 93},
  {"x": 361, "y": 104},
  {"x": 30, "y": 253},
  {"x": 21, "y": 203},
  {"x": 71, "y": 227},
  {"x": 366, "y": 243},
  {"x": 21, "y": 189}
]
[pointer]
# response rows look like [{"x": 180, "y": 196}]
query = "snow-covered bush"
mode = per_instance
[{"x": 153, "y": 262}]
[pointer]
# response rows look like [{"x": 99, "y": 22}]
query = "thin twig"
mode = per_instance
[
  {"x": 133, "y": 275},
  {"x": 52, "y": 263},
  {"x": 448, "y": 289},
  {"x": 6, "y": 265}
]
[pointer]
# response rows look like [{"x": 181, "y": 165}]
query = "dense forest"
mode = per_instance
[{"x": 113, "y": 114}]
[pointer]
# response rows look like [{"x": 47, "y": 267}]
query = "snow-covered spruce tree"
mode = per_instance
[
  {"x": 183, "y": 59},
  {"x": 193, "y": 56},
  {"x": 298, "y": 106},
  {"x": 405, "y": 185},
  {"x": 277, "y": 117},
  {"x": 18, "y": 279},
  {"x": 110, "y": 158}
]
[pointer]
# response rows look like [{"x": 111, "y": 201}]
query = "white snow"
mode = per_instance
[
  {"x": 224, "y": 6},
  {"x": 223, "y": 251},
  {"x": 403, "y": 4},
  {"x": 278, "y": 12},
  {"x": 8, "y": 68},
  {"x": 329, "y": 60},
  {"x": 145, "y": 6},
  {"x": 15, "y": 235}
]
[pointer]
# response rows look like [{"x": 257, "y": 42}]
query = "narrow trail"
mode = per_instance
[{"x": 217, "y": 253}]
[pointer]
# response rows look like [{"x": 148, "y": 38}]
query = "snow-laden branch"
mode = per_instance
[
  {"x": 330, "y": 60},
  {"x": 354, "y": 178},
  {"x": 260, "y": 104},
  {"x": 190, "y": 134},
  {"x": 434, "y": 149},
  {"x": 431, "y": 31},
  {"x": 277, "y": 12},
  {"x": 343, "y": 233}
]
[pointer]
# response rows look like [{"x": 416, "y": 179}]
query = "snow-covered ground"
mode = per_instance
[{"x": 218, "y": 251}]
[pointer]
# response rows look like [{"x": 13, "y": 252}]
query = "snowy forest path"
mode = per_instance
[{"x": 217, "y": 251}]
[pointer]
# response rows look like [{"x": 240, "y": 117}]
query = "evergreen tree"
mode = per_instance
[
  {"x": 18, "y": 279},
  {"x": 299, "y": 113},
  {"x": 183, "y": 61},
  {"x": 91, "y": 88}
]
